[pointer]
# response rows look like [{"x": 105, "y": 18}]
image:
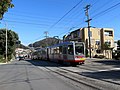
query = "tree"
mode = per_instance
[
  {"x": 108, "y": 50},
  {"x": 11, "y": 40},
  {"x": 118, "y": 50},
  {"x": 118, "y": 43},
  {"x": 106, "y": 46},
  {"x": 4, "y": 5}
]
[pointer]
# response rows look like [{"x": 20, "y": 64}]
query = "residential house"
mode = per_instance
[{"x": 98, "y": 37}]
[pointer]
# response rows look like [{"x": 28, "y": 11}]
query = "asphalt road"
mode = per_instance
[
  {"x": 34, "y": 75},
  {"x": 25, "y": 75}
]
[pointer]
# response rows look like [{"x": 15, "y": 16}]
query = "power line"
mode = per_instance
[
  {"x": 82, "y": 19},
  {"x": 36, "y": 17},
  {"x": 48, "y": 25},
  {"x": 66, "y": 14},
  {"x": 100, "y": 7},
  {"x": 36, "y": 20},
  {"x": 30, "y": 16},
  {"x": 26, "y": 23},
  {"x": 106, "y": 10}
]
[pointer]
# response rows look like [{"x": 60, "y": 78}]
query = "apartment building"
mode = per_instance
[{"x": 98, "y": 37}]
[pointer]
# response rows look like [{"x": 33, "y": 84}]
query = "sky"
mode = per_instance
[{"x": 30, "y": 19}]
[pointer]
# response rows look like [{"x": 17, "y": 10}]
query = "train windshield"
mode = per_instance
[
  {"x": 79, "y": 48},
  {"x": 70, "y": 50}
]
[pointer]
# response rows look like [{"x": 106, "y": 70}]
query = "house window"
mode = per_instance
[
  {"x": 98, "y": 51},
  {"x": 97, "y": 42},
  {"x": 108, "y": 33},
  {"x": 60, "y": 48},
  {"x": 78, "y": 33},
  {"x": 108, "y": 42},
  {"x": 70, "y": 49},
  {"x": 75, "y": 34},
  {"x": 64, "y": 50}
]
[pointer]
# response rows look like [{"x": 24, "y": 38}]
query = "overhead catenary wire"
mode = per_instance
[
  {"x": 99, "y": 13},
  {"x": 27, "y": 16},
  {"x": 23, "y": 21},
  {"x": 30, "y": 17},
  {"x": 100, "y": 7},
  {"x": 66, "y": 14},
  {"x": 72, "y": 22},
  {"x": 26, "y": 22},
  {"x": 74, "y": 25},
  {"x": 106, "y": 10},
  {"x": 60, "y": 20}
]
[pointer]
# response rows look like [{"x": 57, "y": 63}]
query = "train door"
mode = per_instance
[
  {"x": 48, "y": 53},
  {"x": 52, "y": 54},
  {"x": 60, "y": 53},
  {"x": 70, "y": 52},
  {"x": 64, "y": 52}
]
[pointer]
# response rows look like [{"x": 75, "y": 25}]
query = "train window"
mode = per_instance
[
  {"x": 64, "y": 50},
  {"x": 56, "y": 50},
  {"x": 43, "y": 52},
  {"x": 52, "y": 51},
  {"x": 79, "y": 48},
  {"x": 70, "y": 49},
  {"x": 60, "y": 49}
]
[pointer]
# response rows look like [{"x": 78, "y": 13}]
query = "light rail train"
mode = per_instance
[{"x": 67, "y": 52}]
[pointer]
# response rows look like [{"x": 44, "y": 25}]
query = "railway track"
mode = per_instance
[
  {"x": 90, "y": 77},
  {"x": 71, "y": 77},
  {"x": 98, "y": 70},
  {"x": 92, "y": 83}
]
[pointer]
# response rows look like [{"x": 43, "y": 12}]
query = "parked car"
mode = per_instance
[{"x": 21, "y": 57}]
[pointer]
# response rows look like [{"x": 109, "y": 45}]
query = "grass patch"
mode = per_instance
[{"x": 2, "y": 60}]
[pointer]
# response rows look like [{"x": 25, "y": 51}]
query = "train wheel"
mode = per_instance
[
  {"x": 80, "y": 63},
  {"x": 60, "y": 62},
  {"x": 73, "y": 64}
]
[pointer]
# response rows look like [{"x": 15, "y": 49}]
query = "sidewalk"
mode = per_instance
[
  {"x": 97, "y": 59},
  {"x": 102, "y": 61},
  {"x": 7, "y": 62}
]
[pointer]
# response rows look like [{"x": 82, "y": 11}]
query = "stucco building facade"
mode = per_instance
[{"x": 98, "y": 38}]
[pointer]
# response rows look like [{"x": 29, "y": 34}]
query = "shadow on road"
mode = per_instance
[
  {"x": 44, "y": 63},
  {"x": 111, "y": 74},
  {"x": 114, "y": 63},
  {"x": 101, "y": 75}
]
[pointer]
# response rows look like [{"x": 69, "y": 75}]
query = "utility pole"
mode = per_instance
[
  {"x": 6, "y": 47},
  {"x": 88, "y": 21},
  {"x": 6, "y": 44},
  {"x": 46, "y": 36}
]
